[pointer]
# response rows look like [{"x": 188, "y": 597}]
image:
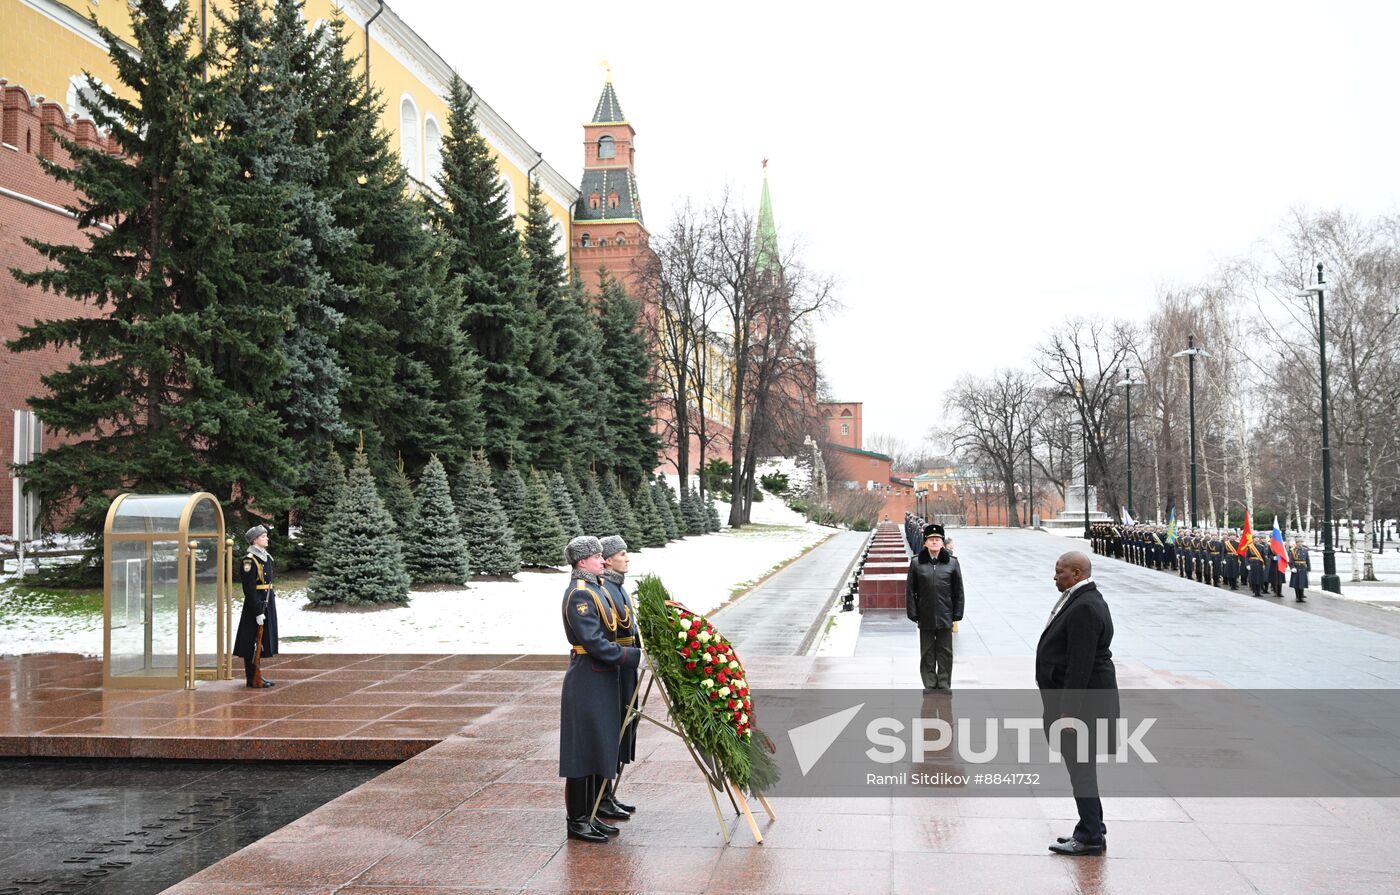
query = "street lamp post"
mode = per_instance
[
  {"x": 1331, "y": 581},
  {"x": 1084, "y": 449},
  {"x": 1128, "y": 382},
  {"x": 1190, "y": 353},
  {"x": 1030, "y": 484}
]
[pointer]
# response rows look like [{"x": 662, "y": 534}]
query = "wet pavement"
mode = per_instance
[
  {"x": 784, "y": 614},
  {"x": 137, "y": 827}
]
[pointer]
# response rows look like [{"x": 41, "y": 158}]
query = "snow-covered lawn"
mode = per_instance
[{"x": 494, "y": 616}]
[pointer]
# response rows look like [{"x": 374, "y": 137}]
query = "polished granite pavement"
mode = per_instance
[
  {"x": 324, "y": 707},
  {"x": 482, "y": 812}
]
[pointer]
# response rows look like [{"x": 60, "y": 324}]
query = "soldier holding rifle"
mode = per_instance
[{"x": 257, "y": 624}]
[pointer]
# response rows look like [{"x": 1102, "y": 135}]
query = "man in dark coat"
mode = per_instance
[
  {"x": 259, "y": 604},
  {"x": 590, "y": 715},
  {"x": 933, "y": 599},
  {"x": 616, "y": 562},
  {"x": 1075, "y": 674},
  {"x": 1298, "y": 559}
]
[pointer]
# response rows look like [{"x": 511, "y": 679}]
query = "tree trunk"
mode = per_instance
[{"x": 1157, "y": 485}]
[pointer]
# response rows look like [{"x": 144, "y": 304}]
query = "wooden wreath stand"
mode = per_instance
[{"x": 711, "y": 772}]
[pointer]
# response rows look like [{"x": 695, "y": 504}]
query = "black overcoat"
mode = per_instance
[
  {"x": 933, "y": 590},
  {"x": 1074, "y": 664},
  {"x": 590, "y": 714},
  {"x": 258, "y": 599}
]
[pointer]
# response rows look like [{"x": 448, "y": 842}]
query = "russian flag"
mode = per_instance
[{"x": 1280, "y": 551}]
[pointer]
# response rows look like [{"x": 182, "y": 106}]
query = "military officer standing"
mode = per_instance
[
  {"x": 590, "y": 713},
  {"x": 259, "y": 605},
  {"x": 1255, "y": 553},
  {"x": 1298, "y": 559},
  {"x": 1230, "y": 566},
  {"x": 616, "y": 562}
]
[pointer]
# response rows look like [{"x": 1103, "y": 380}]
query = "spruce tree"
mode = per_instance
[
  {"x": 397, "y": 493},
  {"x": 648, "y": 519},
  {"x": 694, "y": 512},
  {"x": 414, "y": 383},
  {"x": 542, "y": 537},
  {"x": 622, "y": 515},
  {"x": 578, "y": 377},
  {"x": 596, "y": 518},
  {"x": 434, "y": 551},
  {"x": 361, "y": 561},
  {"x": 510, "y": 488},
  {"x": 624, "y": 368},
  {"x": 574, "y": 482},
  {"x": 711, "y": 512},
  {"x": 554, "y": 410},
  {"x": 177, "y": 367},
  {"x": 661, "y": 497},
  {"x": 482, "y": 251},
  {"x": 266, "y": 65},
  {"x": 491, "y": 545},
  {"x": 325, "y": 485},
  {"x": 564, "y": 505}
]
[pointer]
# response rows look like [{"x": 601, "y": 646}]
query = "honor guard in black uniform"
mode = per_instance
[
  {"x": 1255, "y": 553},
  {"x": 1275, "y": 573},
  {"x": 616, "y": 562},
  {"x": 590, "y": 712},
  {"x": 1298, "y": 578},
  {"x": 1216, "y": 549},
  {"x": 259, "y": 604},
  {"x": 1230, "y": 563}
]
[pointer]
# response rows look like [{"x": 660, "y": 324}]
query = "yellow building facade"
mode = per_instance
[{"x": 46, "y": 45}]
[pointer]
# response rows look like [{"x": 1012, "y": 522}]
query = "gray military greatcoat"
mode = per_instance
[{"x": 590, "y": 712}]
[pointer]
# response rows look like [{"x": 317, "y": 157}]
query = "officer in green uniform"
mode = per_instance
[
  {"x": 590, "y": 712},
  {"x": 259, "y": 603}
]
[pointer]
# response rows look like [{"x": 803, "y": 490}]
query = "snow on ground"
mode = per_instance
[
  {"x": 494, "y": 616},
  {"x": 840, "y": 634}
]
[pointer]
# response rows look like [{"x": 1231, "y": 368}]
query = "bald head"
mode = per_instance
[{"x": 1072, "y": 568}]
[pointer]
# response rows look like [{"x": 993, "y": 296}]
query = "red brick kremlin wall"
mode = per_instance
[{"x": 27, "y": 129}]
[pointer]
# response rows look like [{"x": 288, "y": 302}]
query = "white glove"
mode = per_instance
[{"x": 261, "y": 619}]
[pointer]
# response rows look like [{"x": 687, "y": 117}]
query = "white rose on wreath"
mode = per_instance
[
  {"x": 723, "y": 691},
  {"x": 704, "y": 637},
  {"x": 680, "y": 635},
  {"x": 708, "y": 684}
]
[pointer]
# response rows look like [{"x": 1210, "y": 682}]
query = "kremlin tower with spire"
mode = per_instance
[{"x": 608, "y": 231}]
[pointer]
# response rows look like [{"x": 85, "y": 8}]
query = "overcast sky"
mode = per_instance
[{"x": 971, "y": 173}]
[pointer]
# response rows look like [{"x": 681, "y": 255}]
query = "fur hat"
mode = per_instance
[
  {"x": 612, "y": 544},
  {"x": 254, "y": 533},
  {"x": 581, "y": 547}
]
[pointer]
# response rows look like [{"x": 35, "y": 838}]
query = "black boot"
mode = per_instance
[
  {"x": 578, "y": 805},
  {"x": 595, "y": 786},
  {"x": 618, "y": 810}
]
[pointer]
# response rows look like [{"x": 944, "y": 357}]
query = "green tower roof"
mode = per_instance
[{"x": 766, "y": 239}]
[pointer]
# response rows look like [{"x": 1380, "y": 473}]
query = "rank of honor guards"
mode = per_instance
[{"x": 1210, "y": 556}]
